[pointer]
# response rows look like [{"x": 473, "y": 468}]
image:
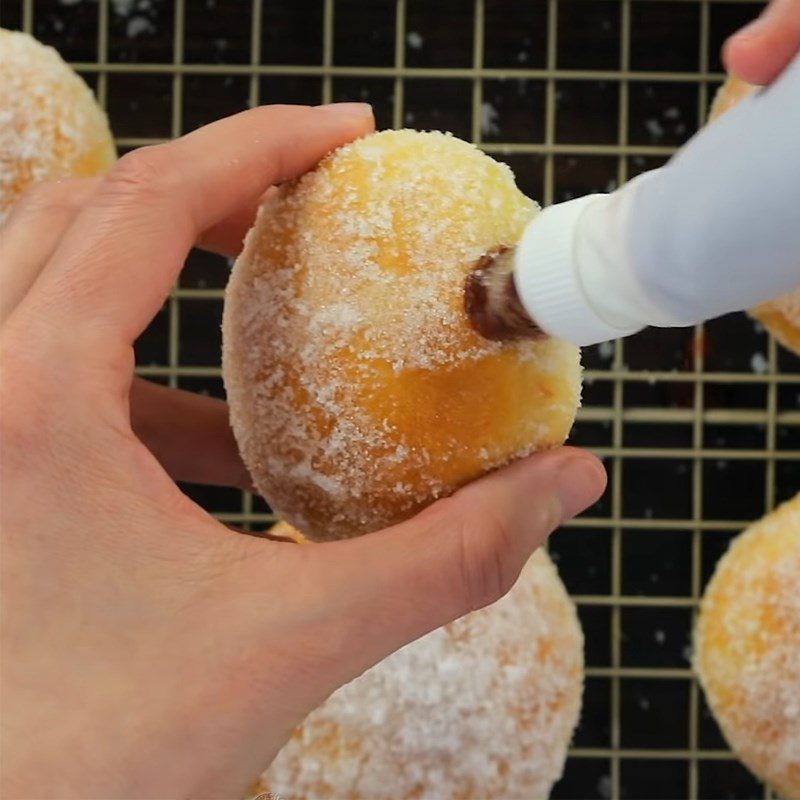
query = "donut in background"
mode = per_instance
[
  {"x": 483, "y": 707},
  {"x": 747, "y": 647},
  {"x": 50, "y": 123}
]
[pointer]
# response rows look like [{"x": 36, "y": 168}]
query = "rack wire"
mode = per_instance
[{"x": 676, "y": 416}]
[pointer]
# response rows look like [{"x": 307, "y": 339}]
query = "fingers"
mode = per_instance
[
  {"x": 115, "y": 265},
  {"x": 227, "y": 237},
  {"x": 31, "y": 233},
  {"x": 189, "y": 435},
  {"x": 759, "y": 52},
  {"x": 462, "y": 553}
]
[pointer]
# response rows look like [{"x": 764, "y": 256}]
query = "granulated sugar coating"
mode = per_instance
[
  {"x": 358, "y": 391},
  {"x": 50, "y": 123},
  {"x": 781, "y": 317},
  {"x": 482, "y": 708},
  {"x": 748, "y": 648}
]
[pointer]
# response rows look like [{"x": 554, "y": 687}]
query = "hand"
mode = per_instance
[
  {"x": 760, "y": 51},
  {"x": 147, "y": 650}
]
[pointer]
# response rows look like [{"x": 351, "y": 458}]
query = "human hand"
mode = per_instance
[
  {"x": 147, "y": 650},
  {"x": 759, "y": 52}
]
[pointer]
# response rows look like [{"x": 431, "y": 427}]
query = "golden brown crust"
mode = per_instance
[
  {"x": 358, "y": 390},
  {"x": 747, "y": 647},
  {"x": 52, "y": 126},
  {"x": 781, "y": 317}
]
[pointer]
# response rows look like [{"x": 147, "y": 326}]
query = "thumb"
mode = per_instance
[
  {"x": 460, "y": 554},
  {"x": 760, "y": 51}
]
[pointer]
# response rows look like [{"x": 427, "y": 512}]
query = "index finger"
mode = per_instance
[{"x": 117, "y": 262}]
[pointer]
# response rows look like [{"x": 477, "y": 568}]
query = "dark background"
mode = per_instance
[{"x": 699, "y": 429}]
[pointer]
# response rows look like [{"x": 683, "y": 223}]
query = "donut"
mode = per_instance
[
  {"x": 483, "y": 707},
  {"x": 781, "y": 316},
  {"x": 50, "y": 123},
  {"x": 747, "y": 648},
  {"x": 358, "y": 391}
]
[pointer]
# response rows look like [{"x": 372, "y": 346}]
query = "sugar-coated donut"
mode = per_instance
[
  {"x": 747, "y": 647},
  {"x": 483, "y": 707},
  {"x": 781, "y": 316},
  {"x": 358, "y": 390},
  {"x": 50, "y": 123}
]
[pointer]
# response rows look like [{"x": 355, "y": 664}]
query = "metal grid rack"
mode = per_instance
[{"x": 700, "y": 430}]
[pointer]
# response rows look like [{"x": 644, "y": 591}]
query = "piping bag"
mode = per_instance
[{"x": 715, "y": 230}]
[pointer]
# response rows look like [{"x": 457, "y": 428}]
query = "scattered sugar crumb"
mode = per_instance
[
  {"x": 654, "y": 128},
  {"x": 414, "y": 40},
  {"x": 137, "y": 26},
  {"x": 489, "y": 117},
  {"x": 759, "y": 363},
  {"x": 123, "y": 8}
]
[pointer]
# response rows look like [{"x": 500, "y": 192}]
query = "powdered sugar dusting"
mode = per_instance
[
  {"x": 50, "y": 124},
  {"x": 484, "y": 707},
  {"x": 351, "y": 368},
  {"x": 748, "y": 647}
]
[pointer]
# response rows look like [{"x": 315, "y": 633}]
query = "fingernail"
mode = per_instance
[
  {"x": 359, "y": 110},
  {"x": 580, "y": 482}
]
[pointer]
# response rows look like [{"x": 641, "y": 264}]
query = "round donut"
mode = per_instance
[
  {"x": 50, "y": 123},
  {"x": 747, "y": 648},
  {"x": 483, "y": 707},
  {"x": 781, "y": 316},
  {"x": 358, "y": 391}
]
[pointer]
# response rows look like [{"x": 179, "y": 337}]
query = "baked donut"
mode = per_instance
[
  {"x": 781, "y": 316},
  {"x": 483, "y": 707},
  {"x": 50, "y": 123},
  {"x": 358, "y": 391},
  {"x": 747, "y": 647}
]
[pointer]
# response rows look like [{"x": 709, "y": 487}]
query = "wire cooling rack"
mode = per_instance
[{"x": 699, "y": 429}]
